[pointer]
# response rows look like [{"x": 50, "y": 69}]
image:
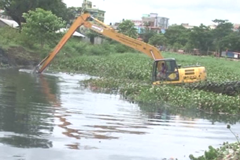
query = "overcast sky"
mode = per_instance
[{"x": 193, "y": 12}]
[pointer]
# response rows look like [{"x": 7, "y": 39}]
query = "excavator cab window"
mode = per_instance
[{"x": 165, "y": 70}]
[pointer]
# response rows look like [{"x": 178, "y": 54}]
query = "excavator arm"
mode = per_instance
[
  {"x": 106, "y": 31},
  {"x": 141, "y": 46}
]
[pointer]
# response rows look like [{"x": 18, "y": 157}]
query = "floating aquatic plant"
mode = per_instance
[{"x": 130, "y": 75}]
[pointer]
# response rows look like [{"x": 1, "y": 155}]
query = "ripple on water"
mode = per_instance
[{"x": 52, "y": 111}]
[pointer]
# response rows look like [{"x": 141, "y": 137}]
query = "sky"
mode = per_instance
[{"x": 193, "y": 12}]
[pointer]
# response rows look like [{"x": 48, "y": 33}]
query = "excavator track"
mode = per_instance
[{"x": 227, "y": 88}]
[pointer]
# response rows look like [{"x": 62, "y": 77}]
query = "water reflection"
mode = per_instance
[
  {"x": 22, "y": 113},
  {"x": 52, "y": 98},
  {"x": 52, "y": 111},
  {"x": 66, "y": 124},
  {"x": 165, "y": 112}
]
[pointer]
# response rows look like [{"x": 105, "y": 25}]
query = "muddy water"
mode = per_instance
[{"x": 52, "y": 117}]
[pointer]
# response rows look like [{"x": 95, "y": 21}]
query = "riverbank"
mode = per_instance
[{"x": 16, "y": 57}]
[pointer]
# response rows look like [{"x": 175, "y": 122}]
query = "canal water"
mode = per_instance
[{"x": 51, "y": 117}]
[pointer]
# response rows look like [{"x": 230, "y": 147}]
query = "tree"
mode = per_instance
[
  {"x": 41, "y": 26},
  {"x": 224, "y": 28},
  {"x": 127, "y": 27},
  {"x": 57, "y": 7},
  {"x": 72, "y": 13},
  {"x": 219, "y": 21},
  {"x": 158, "y": 39},
  {"x": 201, "y": 38},
  {"x": 230, "y": 42},
  {"x": 146, "y": 34},
  {"x": 16, "y": 8},
  {"x": 177, "y": 34}
]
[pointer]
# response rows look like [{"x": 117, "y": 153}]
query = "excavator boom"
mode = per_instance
[
  {"x": 105, "y": 30},
  {"x": 47, "y": 60},
  {"x": 163, "y": 69}
]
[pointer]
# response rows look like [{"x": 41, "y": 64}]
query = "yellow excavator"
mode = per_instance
[{"x": 165, "y": 71}]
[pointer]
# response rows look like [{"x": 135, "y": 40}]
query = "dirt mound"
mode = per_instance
[
  {"x": 4, "y": 60},
  {"x": 18, "y": 56}
]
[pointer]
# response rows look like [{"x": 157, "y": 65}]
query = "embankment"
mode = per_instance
[{"x": 17, "y": 56}]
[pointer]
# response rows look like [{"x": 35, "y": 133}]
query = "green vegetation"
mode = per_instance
[
  {"x": 16, "y": 8},
  {"x": 203, "y": 38},
  {"x": 130, "y": 74},
  {"x": 14, "y": 49},
  {"x": 158, "y": 39},
  {"x": 122, "y": 70},
  {"x": 225, "y": 152},
  {"x": 127, "y": 28},
  {"x": 41, "y": 26}
]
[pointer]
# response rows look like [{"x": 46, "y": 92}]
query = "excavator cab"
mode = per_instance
[{"x": 165, "y": 70}]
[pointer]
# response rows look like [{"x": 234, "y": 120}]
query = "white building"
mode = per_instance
[{"x": 8, "y": 22}]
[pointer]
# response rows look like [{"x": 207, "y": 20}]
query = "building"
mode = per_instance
[
  {"x": 231, "y": 54},
  {"x": 93, "y": 10},
  {"x": 138, "y": 25},
  {"x": 236, "y": 27},
  {"x": 153, "y": 20},
  {"x": 1, "y": 12},
  {"x": 3, "y": 15},
  {"x": 187, "y": 26},
  {"x": 213, "y": 26},
  {"x": 75, "y": 34},
  {"x": 8, "y": 22}
]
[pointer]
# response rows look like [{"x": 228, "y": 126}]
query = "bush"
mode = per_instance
[
  {"x": 8, "y": 36},
  {"x": 120, "y": 48},
  {"x": 97, "y": 50},
  {"x": 74, "y": 47}
]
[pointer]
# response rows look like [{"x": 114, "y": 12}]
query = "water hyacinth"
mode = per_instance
[
  {"x": 174, "y": 95},
  {"x": 225, "y": 152},
  {"x": 130, "y": 75},
  {"x": 116, "y": 65}
]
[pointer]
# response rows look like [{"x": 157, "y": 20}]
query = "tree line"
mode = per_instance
[
  {"x": 201, "y": 38},
  {"x": 40, "y": 27},
  {"x": 16, "y": 8},
  {"x": 39, "y": 20}
]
